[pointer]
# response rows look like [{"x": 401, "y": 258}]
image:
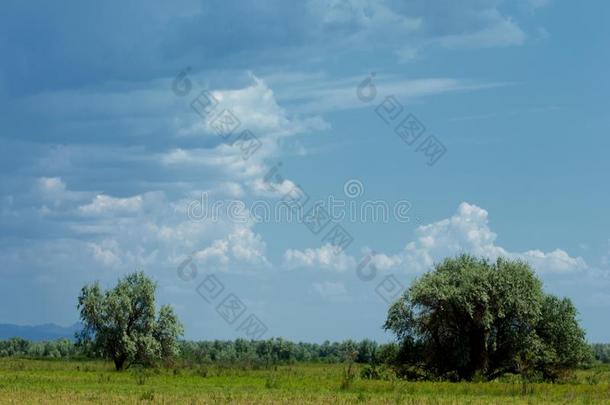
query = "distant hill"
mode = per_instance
[{"x": 48, "y": 331}]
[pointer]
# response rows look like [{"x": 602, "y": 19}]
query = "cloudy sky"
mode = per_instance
[{"x": 477, "y": 126}]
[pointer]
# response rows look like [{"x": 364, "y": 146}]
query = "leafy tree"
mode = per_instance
[
  {"x": 367, "y": 350},
  {"x": 121, "y": 323},
  {"x": 564, "y": 341},
  {"x": 470, "y": 316}
]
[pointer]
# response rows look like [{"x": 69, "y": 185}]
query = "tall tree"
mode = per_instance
[
  {"x": 121, "y": 323},
  {"x": 472, "y": 316}
]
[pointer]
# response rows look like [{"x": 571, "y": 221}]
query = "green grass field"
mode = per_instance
[{"x": 69, "y": 382}]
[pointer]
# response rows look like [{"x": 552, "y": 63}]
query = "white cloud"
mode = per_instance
[
  {"x": 271, "y": 188},
  {"x": 106, "y": 253},
  {"x": 241, "y": 247},
  {"x": 54, "y": 190},
  {"x": 467, "y": 231},
  {"x": 248, "y": 247},
  {"x": 217, "y": 252},
  {"x": 104, "y": 204},
  {"x": 256, "y": 108},
  {"x": 147, "y": 229},
  {"x": 184, "y": 141},
  {"x": 51, "y": 184},
  {"x": 557, "y": 261},
  {"x": 417, "y": 23},
  {"x": 385, "y": 262},
  {"x": 320, "y": 93},
  {"x": 321, "y": 258}
]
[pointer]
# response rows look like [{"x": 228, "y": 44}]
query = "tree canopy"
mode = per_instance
[
  {"x": 470, "y": 316},
  {"x": 121, "y": 323}
]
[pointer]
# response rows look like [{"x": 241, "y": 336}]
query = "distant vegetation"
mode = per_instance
[
  {"x": 56, "y": 349},
  {"x": 601, "y": 352},
  {"x": 271, "y": 351},
  {"x": 240, "y": 351}
]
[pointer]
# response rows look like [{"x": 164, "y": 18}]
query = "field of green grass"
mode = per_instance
[{"x": 75, "y": 382}]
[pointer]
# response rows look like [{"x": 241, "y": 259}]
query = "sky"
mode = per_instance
[{"x": 285, "y": 169}]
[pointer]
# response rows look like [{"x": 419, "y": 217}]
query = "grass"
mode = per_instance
[{"x": 79, "y": 382}]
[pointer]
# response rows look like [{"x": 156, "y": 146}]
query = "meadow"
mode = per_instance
[{"x": 27, "y": 381}]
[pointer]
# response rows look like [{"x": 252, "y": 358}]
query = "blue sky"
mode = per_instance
[{"x": 101, "y": 157}]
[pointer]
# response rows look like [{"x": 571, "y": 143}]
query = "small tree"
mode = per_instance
[{"x": 121, "y": 323}]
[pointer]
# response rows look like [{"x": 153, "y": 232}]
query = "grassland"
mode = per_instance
[{"x": 77, "y": 382}]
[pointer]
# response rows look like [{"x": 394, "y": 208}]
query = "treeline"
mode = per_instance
[
  {"x": 54, "y": 349},
  {"x": 275, "y": 351},
  {"x": 601, "y": 351},
  {"x": 278, "y": 350}
]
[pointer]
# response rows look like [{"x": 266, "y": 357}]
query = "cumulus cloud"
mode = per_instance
[
  {"x": 320, "y": 258},
  {"x": 51, "y": 185},
  {"x": 242, "y": 247},
  {"x": 54, "y": 190},
  {"x": 557, "y": 261},
  {"x": 147, "y": 227},
  {"x": 467, "y": 231},
  {"x": 104, "y": 204},
  {"x": 118, "y": 233},
  {"x": 107, "y": 253},
  {"x": 385, "y": 262},
  {"x": 256, "y": 108}
]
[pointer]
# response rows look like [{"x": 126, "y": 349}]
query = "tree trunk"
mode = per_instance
[
  {"x": 119, "y": 362},
  {"x": 478, "y": 351}
]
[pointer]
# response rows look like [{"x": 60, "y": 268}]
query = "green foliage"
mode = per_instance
[
  {"x": 471, "y": 317},
  {"x": 377, "y": 372},
  {"x": 61, "y": 348},
  {"x": 563, "y": 341},
  {"x": 121, "y": 323},
  {"x": 279, "y": 351},
  {"x": 252, "y": 354},
  {"x": 601, "y": 352}
]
